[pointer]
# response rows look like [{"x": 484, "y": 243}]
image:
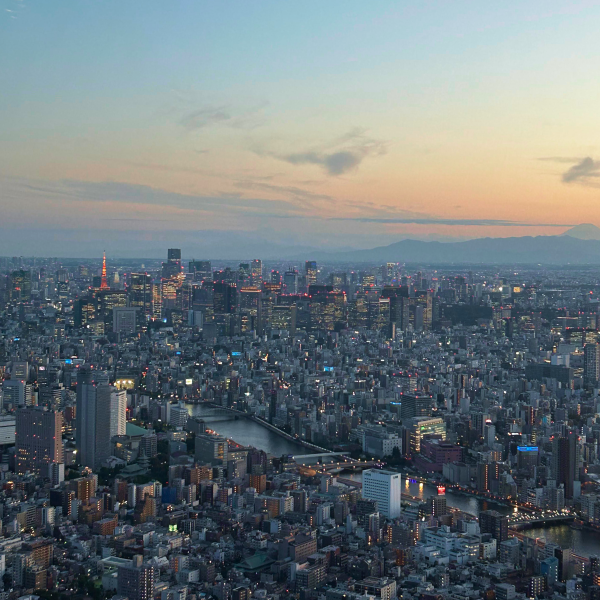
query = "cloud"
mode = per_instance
[
  {"x": 560, "y": 159},
  {"x": 441, "y": 221},
  {"x": 585, "y": 172},
  {"x": 338, "y": 157},
  {"x": 203, "y": 117},
  {"x": 237, "y": 118},
  {"x": 19, "y": 190}
]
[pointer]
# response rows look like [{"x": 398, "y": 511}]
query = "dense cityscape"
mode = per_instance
[{"x": 194, "y": 429}]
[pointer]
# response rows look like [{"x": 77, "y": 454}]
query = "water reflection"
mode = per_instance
[
  {"x": 249, "y": 433},
  {"x": 245, "y": 432}
]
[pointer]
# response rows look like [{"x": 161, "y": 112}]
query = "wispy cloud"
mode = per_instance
[
  {"x": 237, "y": 118},
  {"x": 442, "y": 221},
  {"x": 338, "y": 157}
]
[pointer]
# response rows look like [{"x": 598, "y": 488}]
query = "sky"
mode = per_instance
[{"x": 237, "y": 126}]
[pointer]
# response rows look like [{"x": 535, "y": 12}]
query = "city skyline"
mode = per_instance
[{"x": 311, "y": 127}]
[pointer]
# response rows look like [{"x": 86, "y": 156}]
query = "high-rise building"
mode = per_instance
[
  {"x": 15, "y": 393},
  {"x": 38, "y": 439},
  {"x": 384, "y": 487},
  {"x": 93, "y": 419},
  {"x": 201, "y": 269},
  {"x": 118, "y": 412},
  {"x": 419, "y": 427},
  {"x": 310, "y": 272},
  {"x": 137, "y": 580},
  {"x": 140, "y": 292},
  {"x": 436, "y": 505},
  {"x": 416, "y": 405},
  {"x": 566, "y": 463},
  {"x": 20, "y": 290},
  {"x": 492, "y": 522},
  {"x": 591, "y": 364},
  {"x": 172, "y": 268},
  {"x": 124, "y": 320},
  {"x": 256, "y": 272},
  {"x": 211, "y": 449},
  {"x": 290, "y": 281},
  {"x": 224, "y": 298}
]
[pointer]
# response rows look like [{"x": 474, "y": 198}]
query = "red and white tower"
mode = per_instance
[{"x": 103, "y": 281}]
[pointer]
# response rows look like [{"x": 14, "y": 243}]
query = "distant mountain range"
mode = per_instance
[{"x": 578, "y": 246}]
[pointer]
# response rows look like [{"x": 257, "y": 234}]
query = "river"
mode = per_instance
[
  {"x": 249, "y": 433},
  {"x": 245, "y": 431}
]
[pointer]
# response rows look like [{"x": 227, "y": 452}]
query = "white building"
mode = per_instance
[
  {"x": 384, "y": 487},
  {"x": 118, "y": 412}
]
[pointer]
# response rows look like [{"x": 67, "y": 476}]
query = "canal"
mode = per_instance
[{"x": 249, "y": 433}]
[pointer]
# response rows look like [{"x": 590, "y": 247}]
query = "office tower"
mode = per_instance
[
  {"x": 212, "y": 449},
  {"x": 224, "y": 298},
  {"x": 383, "y": 487},
  {"x": 118, "y": 412},
  {"x": 492, "y": 522},
  {"x": 140, "y": 292},
  {"x": 156, "y": 300},
  {"x": 417, "y": 429},
  {"x": 15, "y": 392},
  {"x": 591, "y": 364},
  {"x": 20, "y": 290},
  {"x": 256, "y": 270},
  {"x": 20, "y": 370},
  {"x": 103, "y": 278},
  {"x": 290, "y": 281},
  {"x": 399, "y": 305},
  {"x": 106, "y": 301},
  {"x": 124, "y": 320},
  {"x": 201, "y": 269},
  {"x": 136, "y": 581},
  {"x": 310, "y": 271},
  {"x": 276, "y": 277},
  {"x": 93, "y": 417},
  {"x": 415, "y": 405},
  {"x": 172, "y": 268},
  {"x": 250, "y": 309},
  {"x": 566, "y": 463},
  {"x": 38, "y": 439},
  {"x": 424, "y": 301}
]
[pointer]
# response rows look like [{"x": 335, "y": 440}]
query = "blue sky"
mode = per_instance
[{"x": 322, "y": 124}]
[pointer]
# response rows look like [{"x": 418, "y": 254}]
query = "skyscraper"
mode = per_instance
[
  {"x": 384, "y": 487},
  {"x": 140, "y": 292},
  {"x": 118, "y": 412},
  {"x": 201, "y": 269},
  {"x": 591, "y": 364},
  {"x": 256, "y": 273},
  {"x": 39, "y": 439},
  {"x": 290, "y": 280},
  {"x": 93, "y": 427},
  {"x": 566, "y": 462},
  {"x": 172, "y": 268},
  {"x": 310, "y": 271}
]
